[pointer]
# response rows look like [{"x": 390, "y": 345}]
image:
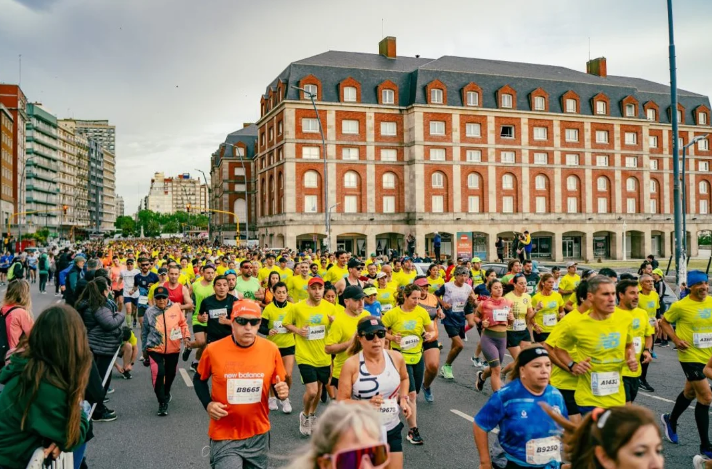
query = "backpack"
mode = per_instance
[
  {"x": 4, "y": 341},
  {"x": 44, "y": 262},
  {"x": 16, "y": 271}
]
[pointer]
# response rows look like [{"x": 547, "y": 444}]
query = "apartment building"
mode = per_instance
[
  {"x": 12, "y": 97},
  {"x": 7, "y": 145},
  {"x": 174, "y": 194},
  {"x": 41, "y": 176},
  {"x": 108, "y": 218},
  {"x": 479, "y": 148}
]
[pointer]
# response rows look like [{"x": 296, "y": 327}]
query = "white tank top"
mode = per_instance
[{"x": 387, "y": 384}]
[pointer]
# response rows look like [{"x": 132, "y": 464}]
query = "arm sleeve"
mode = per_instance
[
  {"x": 440, "y": 291},
  {"x": 202, "y": 390},
  {"x": 264, "y": 326}
]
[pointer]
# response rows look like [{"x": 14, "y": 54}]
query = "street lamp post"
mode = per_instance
[
  {"x": 210, "y": 195},
  {"x": 328, "y": 225},
  {"x": 684, "y": 196},
  {"x": 312, "y": 96}
]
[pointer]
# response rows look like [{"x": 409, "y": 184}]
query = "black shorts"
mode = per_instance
[
  {"x": 571, "y": 407},
  {"x": 430, "y": 345},
  {"x": 334, "y": 382},
  {"x": 286, "y": 351},
  {"x": 514, "y": 338},
  {"x": 117, "y": 294},
  {"x": 395, "y": 439},
  {"x": 540, "y": 337},
  {"x": 693, "y": 371},
  {"x": 142, "y": 311},
  {"x": 631, "y": 385},
  {"x": 200, "y": 328},
  {"x": 454, "y": 331},
  {"x": 3, "y": 270},
  {"x": 312, "y": 374}
]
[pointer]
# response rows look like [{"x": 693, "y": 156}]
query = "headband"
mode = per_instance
[{"x": 529, "y": 354}]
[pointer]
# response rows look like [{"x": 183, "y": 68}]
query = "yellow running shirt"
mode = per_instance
[
  {"x": 548, "y": 315},
  {"x": 569, "y": 282},
  {"x": 641, "y": 329},
  {"x": 520, "y": 305},
  {"x": 335, "y": 274},
  {"x": 650, "y": 303},
  {"x": 434, "y": 284},
  {"x": 387, "y": 298},
  {"x": 342, "y": 330},
  {"x": 297, "y": 288},
  {"x": 310, "y": 350},
  {"x": 277, "y": 317},
  {"x": 411, "y": 327},
  {"x": 694, "y": 326},
  {"x": 563, "y": 379}
]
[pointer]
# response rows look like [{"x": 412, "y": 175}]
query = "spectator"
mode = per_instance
[
  {"x": 73, "y": 279},
  {"x": 654, "y": 262},
  {"x": 437, "y": 243},
  {"x": 17, "y": 270},
  {"x": 44, "y": 385},
  {"x": 61, "y": 263},
  {"x": 16, "y": 311},
  {"x": 499, "y": 246},
  {"x": 103, "y": 323}
]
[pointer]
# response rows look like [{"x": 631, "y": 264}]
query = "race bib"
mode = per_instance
[
  {"x": 702, "y": 339},
  {"x": 244, "y": 391},
  {"x": 605, "y": 384},
  {"x": 143, "y": 300},
  {"x": 389, "y": 411},
  {"x": 317, "y": 332},
  {"x": 277, "y": 326},
  {"x": 519, "y": 325},
  {"x": 176, "y": 334},
  {"x": 638, "y": 344},
  {"x": 458, "y": 307},
  {"x": 542, "y": 451},
  {"x": 530, "y": 289},
  {"x": 386, "y": 307},
  {"x": 409, "y": 342},
  {"x": 216, "y": 313},
  {"x": 500, "y": 315},
  {"x": 549, "y": 319}
]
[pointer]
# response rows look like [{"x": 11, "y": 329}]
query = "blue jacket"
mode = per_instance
[{"x": 63, "y": 274}]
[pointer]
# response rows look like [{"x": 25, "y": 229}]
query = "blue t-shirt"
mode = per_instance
[
  {"x": 522, "y": 420},
  {"x": 5, "y": 261},
  {"x": 373, "y": 309},
  {"x": 144, "y": 284}
]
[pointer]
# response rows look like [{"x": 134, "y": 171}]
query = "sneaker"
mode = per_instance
[
  {"x": 304, "y": 428},
  {"x": 146, "y": 362},
  {"x": 169, "y": 397},
  {"x": 664, "y": 343},
  {"x": 698, "y": 462},
  {"x": 110, "y": 391},
  {"x": 446, "y": 372},
  {"x": 273, "y": 403},
  {"x": 706, "y": 452},
  {"x": 162, "y": 410},
  {"x": 286, "y": 406},
  {"x": 106, "y": 399},
  {"x": 105, "y": 417},
  {"x": 186, "y": 354},
  {"x": 476, "y": 362},
  {"x": 414, "y": 436},
  {"x": 194, "y": 367},
  {"x": 670, "y": 429},
  {"x": 480, "y": 383},
  {"x": 312, "y": 423},
  {"x": 645, "y": 386},
  {"x": 428, "y": 395},
  {"x": 127, "y": 374}
]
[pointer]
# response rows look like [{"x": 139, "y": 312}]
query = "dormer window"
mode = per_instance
[{"x": 436, "y": 96}]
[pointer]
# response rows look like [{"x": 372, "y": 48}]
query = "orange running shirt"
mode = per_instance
[{"x": 241, "y": 379}]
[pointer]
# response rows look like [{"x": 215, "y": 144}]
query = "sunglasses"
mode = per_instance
[
  {"x": 252, "y": 322},
  {"x": 145, "y": 265},
  {"x": 354, "y": 458},
  {"x": 370, "y": 335}
]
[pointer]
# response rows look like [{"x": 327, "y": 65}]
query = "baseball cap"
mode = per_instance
[
  {"x": 373, "y": 254},
  {"x": 270, "y": 255},
  {"x": 314, "y": 280},
  {"x": 381, "y": 275},
  {"x": 353, "y": 263},
  {"x": 162, "y": 271},
  {"x": 421, "y": 282},
  {"x": 476, "y": 259},
  {"x": 368, "y": 291},
  {"x": 659, "y": 272},
  {"x": 160, "y": 292},
  {"x": 230, "y": 272},
  {"x": 406, "y": 258},
  {"x": 245, "y": 308},
  {"x": 571, "y": 264},
  {"x": 353, "y": 292},
  {"x": 370, "y": 325}
]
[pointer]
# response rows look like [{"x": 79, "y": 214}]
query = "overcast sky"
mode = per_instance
[{"x": 175, "y": 76}]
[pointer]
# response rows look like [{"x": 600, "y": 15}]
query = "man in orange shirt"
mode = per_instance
[{"x": 243, "y": 367}]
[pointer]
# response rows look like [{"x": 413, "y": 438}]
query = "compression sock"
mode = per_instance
[
  {"x": 681, "y": 404},
  {"x": 702, "y": 418}
]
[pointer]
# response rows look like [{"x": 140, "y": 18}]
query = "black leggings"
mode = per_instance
[
  {"x": 163, "y": 372},
  {"x": 43, "y": 280},
  {"x": 56, "y": 281},
  {"x": 415, "y": 374},
  {"x": 103, "y": 362}
]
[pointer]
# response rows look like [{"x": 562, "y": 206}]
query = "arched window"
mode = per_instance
[
  {"x": 540, "y": 182},
  {"x": 653, "y": 186},
  {"x": 631, "y": 184},
  {"x": 438, "y": 180},
  {"x": 602, "y": 183},
  {"x": 704, "y": 187},
  {"x": 311, "y": 179},
  {"x": 473, "y": 181},
  {"x": 389, "y": 181},
  {"x": 351, "y": 179},
  {"x": 507, "y": 181},
  {"x": 572, "y": 183}
]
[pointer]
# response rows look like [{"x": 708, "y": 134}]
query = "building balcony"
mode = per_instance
[
  {"x": 43, "y": 163},
  {"x": 39, "y": 187},
  {"x": 43, "y": 175}
]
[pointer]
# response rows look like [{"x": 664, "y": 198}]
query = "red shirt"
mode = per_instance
[
  {"x": 176, "y": 294},
  {"x": 491, "y": 307}
]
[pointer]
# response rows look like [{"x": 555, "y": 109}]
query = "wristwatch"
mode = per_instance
[{"x": 571, "y": 365}]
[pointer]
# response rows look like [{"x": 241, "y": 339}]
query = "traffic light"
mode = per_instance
[
  {"x": 188, "y": 208},
  {"x": 64, "y": 208}
]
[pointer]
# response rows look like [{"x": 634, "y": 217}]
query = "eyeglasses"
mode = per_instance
[
  {"x": 370, "y": 335},
  {"x": 354, "y": 458},
  {"x": 145, "y": 265},
  {"x": 245, "y": 321}
]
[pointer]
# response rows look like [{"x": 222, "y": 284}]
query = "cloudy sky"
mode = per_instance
[{"x": 175, "y": 76}]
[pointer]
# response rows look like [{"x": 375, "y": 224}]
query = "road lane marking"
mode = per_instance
[
  {"x": 469, "y": 418},
  {"x": 656, "y": 397},
  {"x": 186, "y": 377}
]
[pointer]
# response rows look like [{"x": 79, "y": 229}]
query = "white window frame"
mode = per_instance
[
  {"x": 571, "y": 205},
  {"x": 308, "y": 182},
  {"x": 539, "y": 103},
  {"x": 541, "y": 158},
  {"x": 313, "y": 89},
  {"x": 389, "y": 154},
  {"x": 653, "y": 206},
  {"x": 508, "y": 157},
  {"x": 540, "y": 182},
  {"x": 507, "y": 181},
  {"x": 473, "y": 181},
  {"x": 351, "y": 180},
  {"x": 572, "y": 183},
  {"x": 350, "y": 154},
  {"x": 653, "y": 186},
  {"x": 601, "y": 136},
  {"x": 540, "y": 133},
  {"x": 540, "y": 204},
  {"x": 631, "y": 185},
  {"x": 631, "y": 205},
  {"x": 437, "y": 180},
  {"x": 506, "y": 100},
  {"x": 436, "y": 96},
  {"x": 311, "y": 153},
  {"x": 350, "y": 127},
  {"x": 473, "y": 130},
  {"x": 437, "y": 127},
  {"x": 311, "y": 203},
  {"x": 601, "y": 108},
  {"x": 704, "y": 207},
  {"x": 388, "y": 96},
  {"x": 653, "y": 164},
  {"x": 572, "y": 159},
  {"x": 508, "y": 204},
  {"x": 653, "y": 141},
  {"x": 571, "y": 105},
  {"x": 571, "y": 135},
  {"x": 473, "y": 204},
  {"x": 310, "y": 125},
  {"x": 703, "y": 187},
  {"x": 389, "y": 204},
  {"x": 350, "y": 204},
  {"x": 602, "y": 183},
  {"x": 702, "y": 118},
  {"x": 602, "y": 205},
  {"x": 389, "y": 129},
  {"x": 437, "y": 154},
  {"x": 437, "y": 204},
  {"x": 631, "y": 162},
  {"x": 473, "y": 156},
  {"x": 630, "y": 110},
  {"x": 679, "y": 116},
  {"x": 651, "y": 115},
  {"x": 703, "y": 145},
  {"x": 388, "y": 180},
  {"x": 602, "y": 160},
  {"x": 631, "y": 138},
  {"x": 350, "y": 94},
  {"x": 507, "y": 127},
  {"x": 473, "y": 98}
]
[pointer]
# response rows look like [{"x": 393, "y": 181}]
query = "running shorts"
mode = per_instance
[
  {"x": 415, "y": 375},
  {"x": 493, "y": 347},
  {"x": 571, "y": 407},
  {"x": 130, "y": 300},
  {"x": 514, "y": 338},
  {"x": 312, "y": 374},
  {"x": 540, "y": 337},
  {"x": 394, "y": 438},
  {"x": 200, "y": 328},
  {"x": 430, "y": 345},
  {"x": 287, "y": 351},
  {"x": 454, "y": 331},
  {"x": 693, "y": 371}
]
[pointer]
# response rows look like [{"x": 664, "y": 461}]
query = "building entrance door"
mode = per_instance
[{"x": 571, "y": 247}]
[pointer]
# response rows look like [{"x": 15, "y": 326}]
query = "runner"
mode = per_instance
[
  {"x": 431, "y": 349},
  {"x": 495, "y": 314},
  {"x": 409, "y": 326},
  {"x": 272, "y": 326},
  {"x": 130, "y": 296},
  {"x": 693, "y": 338},
  {"x": 481, "y": 292},
  {"x": 454, "y": 298},
  {"x": 407, "y": 273},
  {"x": 309, "y": 321},
  {"x": 142, "y": 283},
  {"x": 177, "y": 293},
  {"x": 216, "y": 309},
  {"x": 128, "y": 353},
  {"x": 117, "y": 282},
  {"x": 479, "y": 276},
  {"x": 353, "y": 278},
  {"x": 435, "y": 281},
  {"x": 202, "y": 289},
  {"x": 548, "y": 309},
  {"x": 371, "y": 303},
  {"x": 164, "y": 330},
  {"x": 269, "y": 266},
  {"x": 242, "y": 367},
  {"x": 380, "y": 377},
  {"x": 531, "y": 276},
  {"x": 284, "y": 272},
  {"x": 297, "y": 284},
  {"x": 386, "y": 295},
  {"x": 648, "y": 300},
  {"x": 247, "y": 284},
  {"x": 570, "y": 281},
  {"x": 5, "y": 262},
  {"x": 337, "y": 271},
  {"x": 528, "y": 437},
  {"x": 518, "y": 334}
]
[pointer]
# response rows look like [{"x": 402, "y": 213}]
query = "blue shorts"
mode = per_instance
[
  {"x": 32, "y": 267},
  {"x": 130, "y": 300}
]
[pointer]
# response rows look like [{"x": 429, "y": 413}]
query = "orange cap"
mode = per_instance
[{"x": 245, "y": 308}]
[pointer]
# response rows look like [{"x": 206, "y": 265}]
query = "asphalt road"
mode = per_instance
[{"x": 139, "y": 439}]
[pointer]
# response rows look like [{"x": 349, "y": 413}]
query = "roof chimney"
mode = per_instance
[
  {"x": 387, "y": 47},
  {"x": 597, "y": 67},
  {"x": 246, "y": 124}
]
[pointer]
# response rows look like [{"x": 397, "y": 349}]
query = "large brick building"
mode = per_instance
[{"x": 485, "y": 147}]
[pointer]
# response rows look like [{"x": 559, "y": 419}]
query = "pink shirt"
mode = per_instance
[
  {"x": 500, "y": 308},
  {"x": 18, "y": 322}
]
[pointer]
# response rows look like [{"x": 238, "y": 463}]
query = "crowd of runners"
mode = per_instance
[{"x": 366, "y": 333}]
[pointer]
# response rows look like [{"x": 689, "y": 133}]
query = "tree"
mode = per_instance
[{"x": 126, "y": 224}]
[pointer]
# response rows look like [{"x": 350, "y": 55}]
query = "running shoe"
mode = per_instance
[
  {"x": 304, "y": 428},
  {"x": 428, "y": 395},
  {"x": 480, "y": 383},
  {"x": 477, "y": 362},
  {"x": 645, "y": 386},
  {"x": 273, "y": 403},
  {"x": 127, "y": 374},
  {"x": 105, "y": 417},
  {"x": 186, "y": 354},
  {"x": 665, "y": 343},
  {"x": 286, "y": 406},
  {"x": 170, "y": 397},
  {"x": 706, "y": 452},
  {"x": 698, "y": 462},
  {"x": 446, "y": 372},
  {"x": 162, "y": 410},
  {"x": 106, "y": 399},
  {"x": 110, "y": 391},
  {"x": 194, "y": 367},
  {"x": 670, "y": 429},
  {"x": 312, "y": 423},
  {"x": 146, "y": 362},
  {"x": 414, "y": 436}
]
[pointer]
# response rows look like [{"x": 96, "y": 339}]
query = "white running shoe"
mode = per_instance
[
  {"x": 312, "y": 423},
  {"x": 286, "y": 406},
  {"x": 698, "y": 462},
  {"x": 273, "y": 403},
  {"x": 304, "y": 427}
]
